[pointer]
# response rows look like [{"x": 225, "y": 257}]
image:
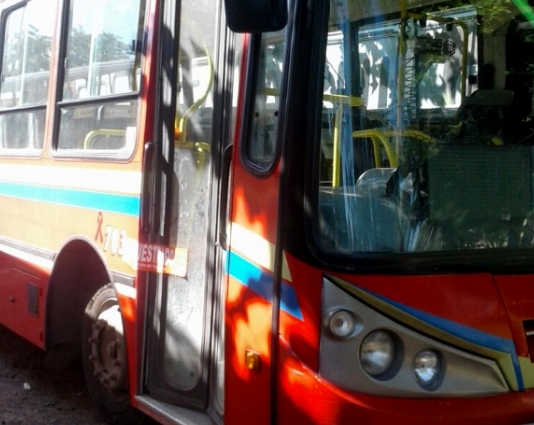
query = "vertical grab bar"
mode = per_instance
[{"x": 145, "y": 199}]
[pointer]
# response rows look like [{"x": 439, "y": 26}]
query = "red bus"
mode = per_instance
[{"x": 271, "y": 212}]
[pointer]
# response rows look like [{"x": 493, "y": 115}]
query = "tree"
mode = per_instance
[
  {"x": 108, "y": 47},
  {"x": 38, "y": 51},
  {"x": 79, "y": 47}
]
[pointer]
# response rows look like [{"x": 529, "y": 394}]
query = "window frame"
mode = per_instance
[
  {"x": 496, "y": 260},
  {"x": 27, "y": 151},
  {"x": 253, "y": 166},
  {"x": 60, "y": 104}
]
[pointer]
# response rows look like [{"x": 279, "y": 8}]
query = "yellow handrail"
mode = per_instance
[
  {"x": 379, "y": 137},
  {"x": 343, "y": 99},
  {"x": 336, "y": 160},
  {"x": 340, "y": 99},
  {"x": 180, "y": 123},
  {"x": 89, "y": 138}
]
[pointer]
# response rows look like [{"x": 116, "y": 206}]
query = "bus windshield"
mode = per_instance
[{"x": 426, "y": 141}]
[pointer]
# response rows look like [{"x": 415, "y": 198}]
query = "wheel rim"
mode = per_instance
[{"x": 108, "y": 354}]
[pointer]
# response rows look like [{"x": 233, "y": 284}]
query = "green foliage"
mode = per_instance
[
  {"x": 79, "y": 47},
  {"x": 36, "y": 57},
  {"x": 108, "y": 47},
  {"x": 31, "y": 50},
  {"x": 38, "y": 51},
  {"x": 495, "y": 13}
]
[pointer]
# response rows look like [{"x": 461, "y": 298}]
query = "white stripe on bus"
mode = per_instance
[
  {"x": 256, "y": 249},
  {"x": 41, "y": 262},
  {"x": 77, "y": 178}
]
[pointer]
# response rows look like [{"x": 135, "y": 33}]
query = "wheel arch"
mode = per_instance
[{"x": 79, "y": 271}]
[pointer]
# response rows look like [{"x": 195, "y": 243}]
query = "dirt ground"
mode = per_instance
[{"x": 35, "y": 388}]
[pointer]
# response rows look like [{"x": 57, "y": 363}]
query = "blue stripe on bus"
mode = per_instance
[
  {"x": 472, "y": 335},
  {"x": 121, "y": 204},
  {"x": 261, "y": 282}
]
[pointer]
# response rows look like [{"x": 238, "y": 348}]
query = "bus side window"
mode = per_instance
[
  {"x": 194, "y": 107},
  {"x": 259, "y": 149},
  {"x": 26, "y": 49},
  {"x": 100, "y": 61}
]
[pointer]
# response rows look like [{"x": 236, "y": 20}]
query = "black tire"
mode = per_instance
[{"x": 104, "y": 359}]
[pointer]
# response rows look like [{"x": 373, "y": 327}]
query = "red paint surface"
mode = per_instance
[
  {"x": 305, "y": 398},
  {"x": 470, "y": 300},
  {"x": 518, "y": 296}
]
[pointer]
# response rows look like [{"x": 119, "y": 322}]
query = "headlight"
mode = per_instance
[
  {"x": 377, "y": 353},
  {"x": 427, "y": 367},
  {"x": 363, "y": 350},
  {"x": 342, "y": 324}
]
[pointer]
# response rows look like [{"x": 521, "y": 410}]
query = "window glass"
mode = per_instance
[
  {"x": 102, "y": 48},
  {"x": 426, "y": 136},
  {"x": 103, "y": 54},
  {"x": 260, "y": 146},
  {"x": 101, "y": 127},
  {"x": 26, "y": 58},
  {"x": 184, "y": 313},
  {"x": 25, "y": 74}
]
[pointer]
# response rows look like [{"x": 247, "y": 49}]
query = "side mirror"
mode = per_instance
[{"x": 256, "y": 16}]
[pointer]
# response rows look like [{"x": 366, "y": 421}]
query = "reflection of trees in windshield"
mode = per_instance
[{"x": 495, "y": 13}]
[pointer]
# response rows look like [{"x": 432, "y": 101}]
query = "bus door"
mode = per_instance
[
  {"x": 182, "y": 349},
  {"x": 254, "y": 261}
]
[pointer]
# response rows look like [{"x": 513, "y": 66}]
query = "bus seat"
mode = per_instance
[
  {"x": 116, "y": 116},
  {"x": 473, "y": 184},
  {"x": 482, "y": 115},
  {"x": 517, "y": 127},
  {"x": 373, "y": 182},
  {"x": 109, "y": 130},
  {"x": 361, "y": 218},
  {"x": 74, "y": 125}
]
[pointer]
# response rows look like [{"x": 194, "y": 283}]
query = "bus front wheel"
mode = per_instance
[{"x": 104, "y": 358}]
